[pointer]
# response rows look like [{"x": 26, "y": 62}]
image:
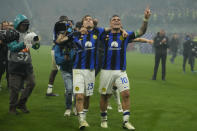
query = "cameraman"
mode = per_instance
[
  {"x": 64, "y": 56},
  {"x": 5, "y": 25},
  {"x": 20, "y": 66},
  {"x": 54, "y": 69}
]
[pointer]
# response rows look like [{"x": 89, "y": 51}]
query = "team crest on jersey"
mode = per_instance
[
  {"x": 114, "y": 44},
  {"x": 94, "y": 37},
  {"x": 88, "y": 44},
  {"x": 76, "y": 88},
  {"x": 81, "y": 37},
  {"x": 121, "y": 38},
  {"x": 107, "y": 37}
]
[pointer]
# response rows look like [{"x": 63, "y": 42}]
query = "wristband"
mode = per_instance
[{"x": 145, "y": 20}]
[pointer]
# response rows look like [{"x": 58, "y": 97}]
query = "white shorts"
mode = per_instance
[
  {"x": 83, "y": 81},
  {"x": 110, "y": 78}
]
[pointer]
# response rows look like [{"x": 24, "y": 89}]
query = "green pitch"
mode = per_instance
[{"x": 155, "y": 105}]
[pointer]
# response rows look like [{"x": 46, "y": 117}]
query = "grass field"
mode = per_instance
[{"x": 155, "y": 105}]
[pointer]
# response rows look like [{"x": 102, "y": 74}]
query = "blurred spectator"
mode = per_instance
[
  {"x": 160, "y": 45},
  {"x": 174, "y": 43},
  {"x": 188, "y": 46}
]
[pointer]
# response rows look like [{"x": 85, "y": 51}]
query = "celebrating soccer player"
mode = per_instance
[{"x": 114, "y": 67}]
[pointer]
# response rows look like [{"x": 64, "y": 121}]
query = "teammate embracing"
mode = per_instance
[
  {"x": 84, "y": 66},
  {"x": 113, "y": 70}
]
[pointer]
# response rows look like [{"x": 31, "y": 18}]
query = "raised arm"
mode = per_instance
[
  {"x": 144, "y": 26},
  {"x": 143, "y": 40}
]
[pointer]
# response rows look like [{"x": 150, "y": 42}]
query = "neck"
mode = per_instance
[
  {"x": 115, "y": 30},
  {"x": 89, "y": 28}
]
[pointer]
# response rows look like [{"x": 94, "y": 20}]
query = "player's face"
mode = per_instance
[
  {"x": 88, "y": 22},
  {"x": 162, "y": 32},
  {"x": 115, "y": 23},
  {"x": 5, "y": 26},
  {"x": 11, "y": 25}
]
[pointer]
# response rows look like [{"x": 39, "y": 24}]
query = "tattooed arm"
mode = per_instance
[{"x": 144, "y": 26}]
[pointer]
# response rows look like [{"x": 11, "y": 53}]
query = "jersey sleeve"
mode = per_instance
[{"x": 131, "y": 35}]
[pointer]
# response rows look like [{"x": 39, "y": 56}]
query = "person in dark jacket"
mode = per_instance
[
  {"x": 188, "y": 45},
  {"x": 174, "y": 43},
  {"x": 20, "y": 66},
  {"x": 5, "y": 25},
  {"x": 160, "y": 45},
  {"x": 54, "y": 69},
  {"x": 65, "y": 59}
]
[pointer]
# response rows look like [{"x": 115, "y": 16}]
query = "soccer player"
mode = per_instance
[
  {"x": 114, "y": 67},
  {"x": 115, "y": 92},
  {"x": 84, "y": 65}
]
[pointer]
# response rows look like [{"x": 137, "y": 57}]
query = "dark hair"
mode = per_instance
[
  {"x": 63, "y": 18},
  {"x": 3, "y": 23},
  {"x": 114, "y": 16},
  {"x": 95, "y": 23},
  {"x": 85, "y": 17},
  {"x": 78, "y": 24}
]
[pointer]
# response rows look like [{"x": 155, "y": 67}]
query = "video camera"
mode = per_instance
[
  {"x": 31, "y": 39},
  {"x": 65, "y": 28},
  {"x": 7, "y": 36}
]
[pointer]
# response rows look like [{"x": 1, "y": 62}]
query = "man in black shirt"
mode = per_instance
[
  {"x": 160, "y": 45},
  {"x": 188, "y": 45},
  {"x": 174, "y": 43}
]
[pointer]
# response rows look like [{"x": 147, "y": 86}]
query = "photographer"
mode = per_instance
[
  {"x": 20, "y": 65},
  {"x": 5, "y": 27},
  {"x": 64, "y": 56},
  {"x": 59, "y": 26}
]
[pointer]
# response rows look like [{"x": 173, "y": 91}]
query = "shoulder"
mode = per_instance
[
  {"x": 130, "y": 32},
  {"x": 99, "y": 29}
]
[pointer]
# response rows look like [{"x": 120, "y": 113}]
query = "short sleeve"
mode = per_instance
[{"x": 131, "y": 35}]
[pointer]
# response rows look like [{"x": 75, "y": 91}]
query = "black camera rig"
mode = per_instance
[{"x": 7, "y": 36}]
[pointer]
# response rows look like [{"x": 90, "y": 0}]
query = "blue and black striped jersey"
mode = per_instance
[
  {"x": 115, "y": 50},
  {"x": 86, "y": 56}
]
